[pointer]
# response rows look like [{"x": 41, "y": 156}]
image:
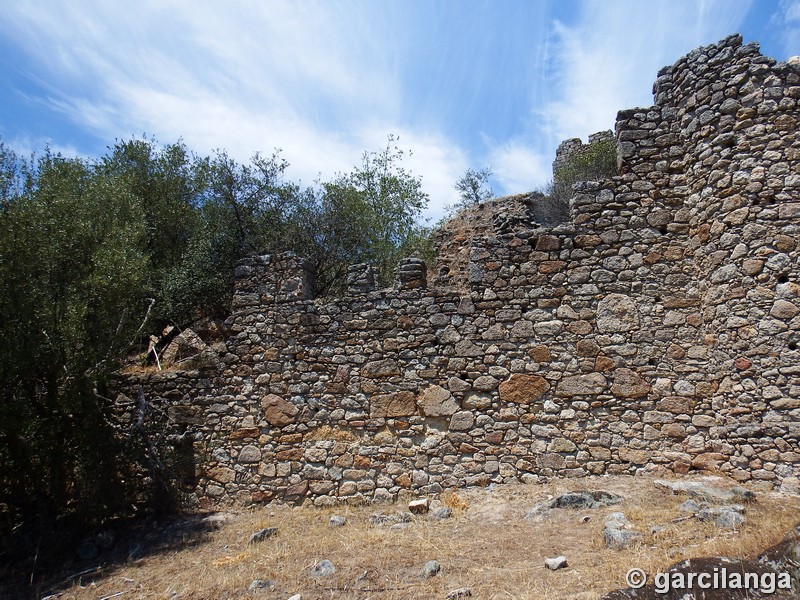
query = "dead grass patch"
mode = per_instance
[{"x": 487, "y": 545}]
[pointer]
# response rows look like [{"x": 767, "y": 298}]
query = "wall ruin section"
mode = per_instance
[{"x": 656, "y": 331}]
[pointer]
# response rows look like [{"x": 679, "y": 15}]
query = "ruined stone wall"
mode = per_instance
[
  {"x": 655, "y": 331},
  {"x": 573, "y": 148}
]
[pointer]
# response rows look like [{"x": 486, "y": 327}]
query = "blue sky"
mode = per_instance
[{"x": 462, "y": 83}]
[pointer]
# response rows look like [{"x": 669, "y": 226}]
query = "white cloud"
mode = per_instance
[
  {"x": 519, "y": 168},
  {"x": 243, "y": 77},
  {"x": 440, "y": 163},
  {"x": 603, "y": 61},
  {"x": 25, "y": 147},
  {"x": 324, "y": 81},
  {"x": 608, "y": 60},
  {"x": 786, "y": 20}
]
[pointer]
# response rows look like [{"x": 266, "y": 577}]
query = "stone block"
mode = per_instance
[
  {"x": 523, "y": 389},
  {"x": 581, "y": 385},
  {"x": 617, "y": 313},
  {"x": 436, "y": 401},
  {"x": 462, "y": 421},
  {"x": 395, "y": 404},
  {"x": 628, "y": 384},
  {"x": 277, "y": 411}
]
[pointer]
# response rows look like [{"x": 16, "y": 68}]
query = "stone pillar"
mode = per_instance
[
  {"x": 294, "y": 278},
  {"x": 268, "y": 279},
  {"x": 360, "y": 278},
  {"x": 411, "y": 274}
]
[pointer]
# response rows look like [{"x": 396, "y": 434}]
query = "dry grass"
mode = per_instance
[
  {"x": 136, "y": 368},
  {"x": 487, "y": 545}
]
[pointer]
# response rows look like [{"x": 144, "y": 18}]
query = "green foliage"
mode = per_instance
[
  {"x": 368, "y": 215},
  {"x": 238, "y": 210},
  {"x": 204, "y": 214},
  {"x": 73, "y": 266},
  {"x": 96, "y": 254},
  {"x": 11, "y": 175},
  {"x": 597, "y": 160},
  {"x": 473, "y": 187},
  {"x": 393, "y": 201},
  {"x": 167, "y": 183}
]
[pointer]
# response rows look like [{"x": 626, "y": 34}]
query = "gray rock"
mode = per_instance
[
  {"x": 617, "y": 520},
  {"x": 617, "y": 313},
  {"x": 337, "y": 521},
  {"x": 296, "y": 597},
  {"x": 618, "y": 539},
  {"x": 707, "y": 493},
  {"x": 186, "y": 344},
  {"x": 381, "y": 519},
  {"x": 586, "y": 499},
  {"x": 431, "y": 568},
  {"x": 462, "y": 421},
  {"x": 217, "y": 520},
  {"x": 459, "y": 593},
  {"x": 441, "y": 513},
  {"x": 690, "y": 506},
  {"x": 323, "y": 568},
  {"x": 578, "y": 385},
  {"x": 554, "y": 564},
  {"x": 249, "y": 454},
  {"x": 726, "y": 517},
  {"x": 436, "y": 401},
  {"x": 382, "y": 496},
  {"x": 262, "y": 534},
  {"x": 538, "y": 511},
  {"x": 262, "y": 585}
]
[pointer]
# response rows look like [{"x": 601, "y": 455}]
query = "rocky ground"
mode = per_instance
[{"x": 565, "y": 539}]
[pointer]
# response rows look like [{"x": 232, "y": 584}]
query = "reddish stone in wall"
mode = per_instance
[
  {"x": 523, "y": 389},
  {"x": 628, "y": 384},
  {"x": 396, "y": 404},
  {"x": 277, "y": 411}
]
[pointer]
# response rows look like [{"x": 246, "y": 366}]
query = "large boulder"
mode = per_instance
[
  {"x": 628, "y": 384},
  {"x": 581, "y": 385},
  {"x": 395, "y": 404}
]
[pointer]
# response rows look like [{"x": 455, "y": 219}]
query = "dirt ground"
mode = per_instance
[{"x": 487, "y": 545}]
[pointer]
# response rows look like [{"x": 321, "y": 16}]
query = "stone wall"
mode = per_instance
[
  {"x": 656, "y": 331},
  {"x": 573, "y": 148}
]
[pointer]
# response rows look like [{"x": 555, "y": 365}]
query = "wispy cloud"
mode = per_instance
[
  {"x": 325, "y": 80},
  {"x": 786, "y": 20},
  {"x": 246, "y": 77},
  {"x": 518, "y": 167},
  {"x": 603, "y": 59},
  {"x": 608, "y": 59},
  {"x": 25, "y": 147}
]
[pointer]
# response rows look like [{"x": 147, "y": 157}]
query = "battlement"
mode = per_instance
[
  {"x": 570, "y": 149},
  {"x": 654, "y": 330}
]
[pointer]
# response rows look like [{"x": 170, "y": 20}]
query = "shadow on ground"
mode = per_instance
[{"x": 100, "y": 554}]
